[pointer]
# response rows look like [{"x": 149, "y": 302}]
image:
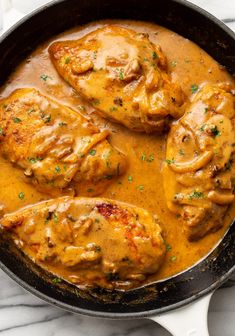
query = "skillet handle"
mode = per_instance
[{"x": 190, "y": 320}]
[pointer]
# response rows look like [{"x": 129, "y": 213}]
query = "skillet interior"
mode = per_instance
[{"x": 164, "y": 295}]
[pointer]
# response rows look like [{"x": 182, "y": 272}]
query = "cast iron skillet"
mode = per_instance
[{"x": 210, "y": 34}]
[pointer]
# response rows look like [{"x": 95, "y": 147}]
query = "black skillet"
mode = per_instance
[{"x": 215, "y": 38}]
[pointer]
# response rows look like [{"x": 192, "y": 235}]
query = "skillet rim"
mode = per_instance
[{"x": 106, "y": 314}]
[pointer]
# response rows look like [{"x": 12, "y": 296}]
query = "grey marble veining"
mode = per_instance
[{"x": 22, "y": 314}]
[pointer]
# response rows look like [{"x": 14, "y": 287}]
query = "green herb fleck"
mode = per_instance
[
  {"x": 168, "y": 247},
  {"x": 228, "y": 165},
  {"x": 154, "y": 55},
  {"x": 196, "y": 194},
  {"x": 108, "y": 177},
  {"x": 1, "y": 131},
  {"x": 56, "y": 280},
  {"x": 55, "y": 217},
  {"x": 90, "y": 190},
  {"x": 67, "y": 60},
  {"x": 141, "y": 187},
  {"x": 96, "y": 102},
  {"x": 58, "y": 169},
  {"x": 46, "y": 119},
  {"x": 92, "y": 152},
  {"x": 121, "y": 74},
  {"x": 181, "y": 152},
  {"x": 130, "y": 178},
  {"x": 173, "y": 64},
  {"x": 202, "y": 128},
  {"x": 95, "y": 54},
  {"x": 112, "y": 109},
  {"x": 194, "y": 88},
  {"x": 17, "y": 120},
  {"x": 150, "y": 158},
  {"x": 44, "y": 77},
  {"x": 170, "y": 161},
  {"x": 215, "y": 131},
  {"x": 206, "y": 110},
  {"x": 143, "y": 157},
  {"x": 61, "y": 124},
  {"x": 32, "y": 160},
  {"x": 21, "y": 195},
  {"x": 97, "y": 248},
  {"x": 173, "y": 258}
]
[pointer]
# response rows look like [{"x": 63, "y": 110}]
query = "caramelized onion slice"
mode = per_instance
[
  {"x": 220, "y": 198},
  {"x": 192, "y": 165}
]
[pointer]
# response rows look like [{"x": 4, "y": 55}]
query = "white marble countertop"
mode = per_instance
[{"x": 22, "y": 314}]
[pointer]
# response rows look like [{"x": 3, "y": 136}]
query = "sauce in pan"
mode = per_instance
[{"x": 142, "y": 184}]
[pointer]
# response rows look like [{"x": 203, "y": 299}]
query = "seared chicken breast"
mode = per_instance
[
  {"x": 56, "y": 146},
  {"x": 97, "y": 241},
  {"x": 199, "y": 170},
  {"x": 123, "y": 75}
]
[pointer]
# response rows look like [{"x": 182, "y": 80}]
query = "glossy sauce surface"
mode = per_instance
[{"x": 142, "y": 184}]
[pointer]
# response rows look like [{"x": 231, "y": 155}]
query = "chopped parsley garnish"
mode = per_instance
[
  {"x": 92, "y": 152},
  {"x": 96, "y": 102},
  {"x": 215, "y": 131},
  {"x": 168, "y": 247},
  {"x": 67, "y": 60},
  {"x": 17, "y": 120},
  {"x": 194, "y": 88},
  {"x": 95, "y": 54},
  {"x": 173, "y": 64},
  {"x": 141, "y": 187},
  {"x": 181, "y": 152},
  {"x": 56, "y": 280},
  {"x": 21, "y": 195},
  {"x": 228, "y": 165},
  {"x": 130, "y": 178},
  {"x": 143, "y": 157},
  {"x": 46, "y": 119},
  {"x": 1, "y": 131},
  {"x": 147, "y": 159},
  {"x": 55, "y": 217},
  {"x": 58, "y": 169},
  {"x": 32, "y": 160},
  {"x": 112, "y": 109},
  {"x": 154, "y": 55},
  {"x": 173, "y": 258},
  {"x": 108, "y": 177},
  {"x": 44, "y": 77},
  {"x": 206, "y": 110},
  {"x": 170, "y": 161},
  {"x": 150, "y": 158},
  {"x": 121, "y": 74},
  {"x": 82, "y": 108},
  {"x": 62, "y": 124},
  {"x": 97, "y": 248},
  {"x": 90, "y": 190},
  {"x": 202, "y": 128},
  {"x": 196, "y": 195}
]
